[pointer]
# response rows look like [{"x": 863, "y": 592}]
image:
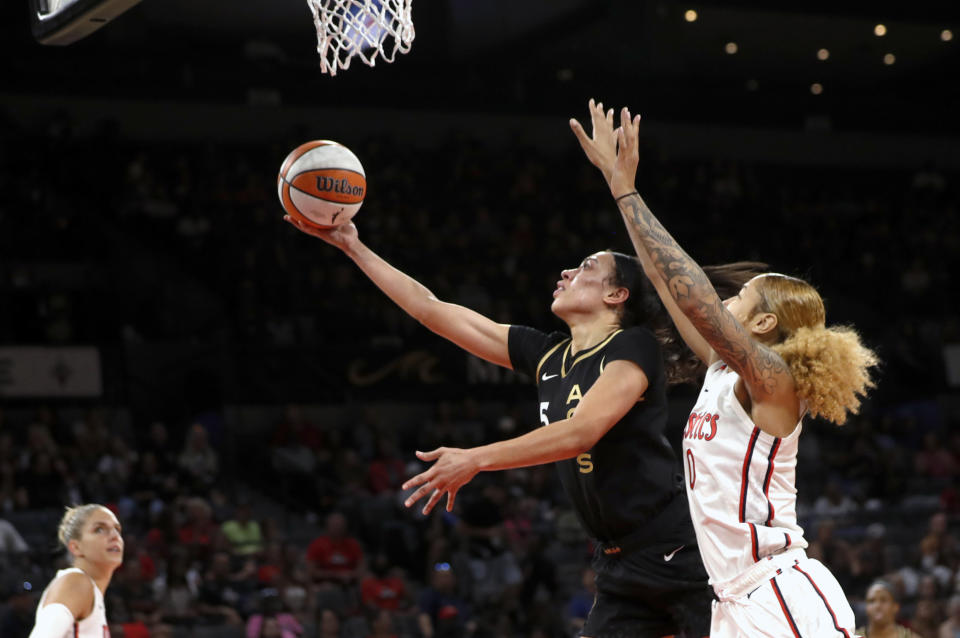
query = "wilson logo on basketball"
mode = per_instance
[
  {"x": 701, "y": 426},
  {"x": 331, "y": 185}
]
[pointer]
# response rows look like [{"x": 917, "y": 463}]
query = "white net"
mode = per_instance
[{"x": 365, "y": 28}]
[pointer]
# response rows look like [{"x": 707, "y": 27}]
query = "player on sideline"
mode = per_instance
[
  {"x": 72, "y": 604},
  {"x": 603, "y": 407},
  {"x": 771, "y": 360}
]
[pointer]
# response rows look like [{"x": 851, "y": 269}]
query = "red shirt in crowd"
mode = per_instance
[
  {"x": 383, "y": 593},
  {"x": 337, "y": 555}
]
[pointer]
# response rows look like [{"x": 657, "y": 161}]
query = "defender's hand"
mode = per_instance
[
  {"x": 601, "y": 147},
  {"x": 623, "y": 178}
]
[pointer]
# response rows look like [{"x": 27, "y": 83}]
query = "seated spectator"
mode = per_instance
[
  {"x": 177, "y": 593},
  {"x": 328, "y": 624},
  {"x": 934, "y": 459},
  {"x": 294, "y": 430},
  {"x": 43, "y": 480},
  {"x": 134, "y": 591},
  {"x": 335, "y": 556},
  {"x": 384, "y": 587},
  {"x": 198, "y": 461},
  {"x": 266, "y": 627},
  {"x": 580, "y": 604},
  {"x": 10, "y": 541},
  {"x": 833, "y": 552},
  {"x": 867, "y": 561},
  {"x": 17, "y": 615},
  {"x": 199, "y": 531},
  {"x": 162, "y": 447},
  {"x": 882, "y": 610},
  {"x": 242, "y": 532},
  {"x": 939, "y": 547},
  {"x": 443, "y": 614},
  {"x": 927, "y": 618},
  {"x": 834, "y": 503},
  {"x": 386, "y": 471},
  {"x": 381, "y": 626},
  {"x": 271, "y": 565},
  {"x": 222, "y": 594},
  {"x": 148, "y": 487},
  {"x": 270, "y": 620},
  {"x": 950, "y": 628}
]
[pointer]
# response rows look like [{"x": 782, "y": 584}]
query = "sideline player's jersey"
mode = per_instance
[
  {"x": 94, "y": 625},
  {"x": 631, "y": 474},
  {"x": 741, "y": 481}
]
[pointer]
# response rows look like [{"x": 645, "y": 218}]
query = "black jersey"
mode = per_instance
[{"x": 631, "y": 474}]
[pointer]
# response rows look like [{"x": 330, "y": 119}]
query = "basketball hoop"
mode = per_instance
[{"x": 365, "y": 28}]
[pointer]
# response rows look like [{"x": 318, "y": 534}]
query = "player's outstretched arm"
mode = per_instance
[
  {"x": 601, "y": 149},
  {"x": 617, "y": 390},
  {"x": 766, "y": 375},
  {"x": 467, "y": 328}
]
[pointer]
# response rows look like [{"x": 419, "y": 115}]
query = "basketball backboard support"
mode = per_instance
[{"x": 61, "y": 22}]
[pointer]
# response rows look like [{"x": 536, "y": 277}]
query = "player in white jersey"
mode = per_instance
[
  {"x": 72, "y": 604},
  {"x": 771, "y": 360}
]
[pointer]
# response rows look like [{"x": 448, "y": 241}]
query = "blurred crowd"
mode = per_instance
[{"x": 301, "y": 531}]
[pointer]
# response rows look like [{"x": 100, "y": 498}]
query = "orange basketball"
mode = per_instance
[{"x": 321, "y": 183}]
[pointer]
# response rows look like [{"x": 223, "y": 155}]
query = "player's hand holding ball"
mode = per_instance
[
  {"x": 321, "y": 186},
  {"x": 341, "y": 236}
]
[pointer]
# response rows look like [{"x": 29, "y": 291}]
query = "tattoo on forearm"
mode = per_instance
[{"x": 693, "y": 292}]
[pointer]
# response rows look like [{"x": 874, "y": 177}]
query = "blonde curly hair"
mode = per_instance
[{"x": 830, "y": 365}]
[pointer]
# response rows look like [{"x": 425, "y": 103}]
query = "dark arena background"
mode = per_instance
[{"x": 171, "y": 348}]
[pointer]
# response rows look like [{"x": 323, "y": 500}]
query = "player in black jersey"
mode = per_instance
[{"x": 603, "y": 408}]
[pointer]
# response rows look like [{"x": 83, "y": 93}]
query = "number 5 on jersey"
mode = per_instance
[{"x": 583, "y": 460}]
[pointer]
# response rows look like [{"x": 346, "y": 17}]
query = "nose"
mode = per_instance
[
  {"x": 566, "y": 274},
  {"x": 727, "y": 301}
]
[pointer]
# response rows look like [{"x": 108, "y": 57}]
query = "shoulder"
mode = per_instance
[
  {"x": 536, "y": 338},
  {"x": 635, "y": 344},
  {"x": 74, "y": 590},
  {"x": 530, "y": 347},
  {"x": 637, "y": 334}
]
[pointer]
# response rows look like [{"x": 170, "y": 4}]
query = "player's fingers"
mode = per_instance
[
  {"x": 609, "y": 117},
  {"x": 432, "y": 455},
  {"x": 419, "y": 479},
  {"x": 434, "y": 499},
  {"x": 416, "y": 496},
  {"x": 579, "y": 132},
  {"x": 451, "y": 497}
]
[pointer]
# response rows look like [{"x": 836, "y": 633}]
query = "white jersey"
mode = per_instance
[
  {"x": 741, "y": 482},
  {"x": 94, "y": 625}
]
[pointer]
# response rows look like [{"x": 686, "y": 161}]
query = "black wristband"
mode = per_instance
[{"x": 626, "y": 195}]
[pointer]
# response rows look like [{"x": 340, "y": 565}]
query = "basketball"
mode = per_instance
[{"x": 321, "y": 183}]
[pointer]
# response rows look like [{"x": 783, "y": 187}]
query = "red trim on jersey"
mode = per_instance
[
  {"x": 766, "y": 479},
  {"x": 833, "y": 616},
  {"x": 788, "y": 540},
  {"x": 76, "y": 629},
  {"x": 754, "y": 543},
  {"x": 745, "y": 473},
  {"x": 783, "y": 606}
]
